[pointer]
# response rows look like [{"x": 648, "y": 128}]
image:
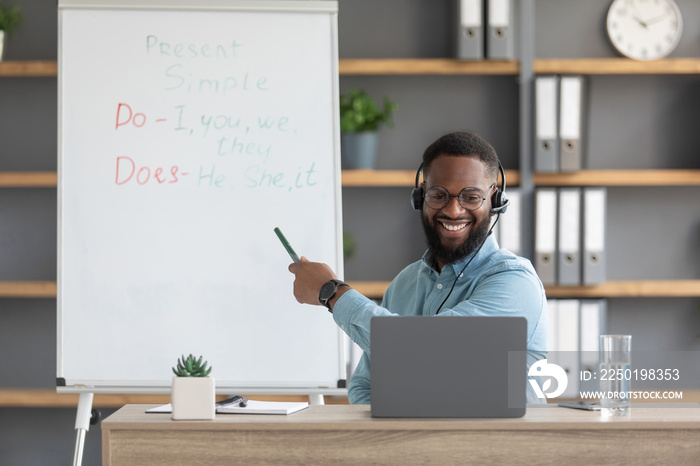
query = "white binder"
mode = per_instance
[
  {"x": 509, "y": 228},
  {"x": 594, "y": 223},
  {"x": 569, "y": 247},
  {"x": 470, "y": 30},
  {"x": 553, "y": 342},
  {"x": 570, "y": 123},
  {"x": 546, "y": 234},
  {"x": 500, "y": 43},
  {"x": 593, "y": 324},
  {"x": 568, "y": 343},
  {"x": 546, "y": 128}
]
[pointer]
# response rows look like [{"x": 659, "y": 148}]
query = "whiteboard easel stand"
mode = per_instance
[{"x": 82, "y": 425}]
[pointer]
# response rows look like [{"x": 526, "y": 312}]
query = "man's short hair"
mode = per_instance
[{"x": 462, "y": 144}]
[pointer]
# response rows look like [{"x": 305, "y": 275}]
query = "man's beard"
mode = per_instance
[{"x": 446, "y": 255}]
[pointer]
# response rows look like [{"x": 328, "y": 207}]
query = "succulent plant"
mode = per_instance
[{"x": 191, "y": 367}]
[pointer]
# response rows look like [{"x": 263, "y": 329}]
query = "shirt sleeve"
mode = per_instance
[{"x": 353, "y": 313}]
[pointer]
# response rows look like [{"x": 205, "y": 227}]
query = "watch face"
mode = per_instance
[
  {"x": 644, "y": 29},
  {"x": 326, "y": 291}
]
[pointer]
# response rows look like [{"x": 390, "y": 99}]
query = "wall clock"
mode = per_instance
[{"x": 644, "y": 29}]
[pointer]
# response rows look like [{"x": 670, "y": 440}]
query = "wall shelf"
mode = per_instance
[
  {"x": 427, "y": 66},
  {"x": 28, "y": 179},
  {"x": 28, "y": 69},
  {"x": 610, "y": 66},
  {"x": 376, "y": 289},
  {"x": 350, "y": 178},
  {"x": 406, "y": 178},
  {"x": 28, "y": 289},
  {"x": 48, "y": 398},
  {"x": 443, "y": 66},
  {"x": 388, "y": 66},
  {"x": 611, "y": 289},
  {"x": 401, "y": 178},
  {"x": 620, "y": 178}
]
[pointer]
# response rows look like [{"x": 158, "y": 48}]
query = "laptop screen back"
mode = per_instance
[{"x": 448, "y": 366}]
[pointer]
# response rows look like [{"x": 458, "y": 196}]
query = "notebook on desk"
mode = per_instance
[{"x": 445, "y": 366}]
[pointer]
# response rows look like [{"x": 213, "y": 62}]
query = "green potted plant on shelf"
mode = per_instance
[
  {"x": 349, "y": 245},
  {"x": 10, "y": 18},
  {"x": 360, "y": 119},
  {"x": 194, "y": 392}
]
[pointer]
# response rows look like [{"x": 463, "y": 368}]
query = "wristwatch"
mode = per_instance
[{"x": 328, "y": 290}]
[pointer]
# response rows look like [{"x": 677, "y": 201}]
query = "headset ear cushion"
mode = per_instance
[
  {"x": 417, "y": 198},
  {"x": 500, "y": 203},
  {"x": 497, "y": 199}
]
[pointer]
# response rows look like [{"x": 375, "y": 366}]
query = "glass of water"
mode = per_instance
[{"x": 615, "y": 374}]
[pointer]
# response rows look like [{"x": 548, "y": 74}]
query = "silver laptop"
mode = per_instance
[{"x": 448, "y": 366}]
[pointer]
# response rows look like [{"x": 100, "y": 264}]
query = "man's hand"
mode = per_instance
[{"x": 310, "y": 277}]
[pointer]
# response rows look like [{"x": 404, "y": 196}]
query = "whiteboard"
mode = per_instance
[{"x": 188, "y": 131}]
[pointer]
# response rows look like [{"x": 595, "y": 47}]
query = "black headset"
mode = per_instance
[{"x": 499, "y": 200}]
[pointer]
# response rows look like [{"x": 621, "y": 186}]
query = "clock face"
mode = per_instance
[{"x": 644, "y": 29}]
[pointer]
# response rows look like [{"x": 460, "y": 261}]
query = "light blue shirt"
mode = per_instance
[{"x": 496, "y": 283}]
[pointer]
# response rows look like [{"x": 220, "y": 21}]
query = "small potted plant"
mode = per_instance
[
  {"x": 360, "y": 119},
  {"x": 349, "y": 245},
  {"x": 10, "y": 18},
  {"x": 193, "y": 396}
]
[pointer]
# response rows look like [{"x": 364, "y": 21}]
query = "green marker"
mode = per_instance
[{"x": 287, "y": 246}]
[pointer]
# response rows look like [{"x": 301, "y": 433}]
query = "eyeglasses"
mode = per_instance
[{"x": 438, "y": 197}]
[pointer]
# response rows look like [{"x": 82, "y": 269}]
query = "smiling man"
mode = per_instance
[{"x": 462, "y": 273}]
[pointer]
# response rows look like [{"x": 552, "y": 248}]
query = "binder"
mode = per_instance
[
  {"x": 499, "y": 43},
  {"x": 546, "y": 234},
  {"x": 568, "y": 343},
  {"x": 553, "y": 342},
  {"x": 570, "y": 122},
  {"x": 509, "y": 228},
  {"x": 569, "y": 247},
  {"x": 546, "y": 118},
  {"x": 593, "y": 322},
  {"x": 470, "y": 31},
  {"x": 594, "y": 224}
]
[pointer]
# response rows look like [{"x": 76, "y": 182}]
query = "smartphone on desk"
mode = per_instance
[{"x": 587, "y": 405}]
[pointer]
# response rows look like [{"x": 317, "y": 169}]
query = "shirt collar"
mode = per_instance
[{"x": 489, "y": 247}]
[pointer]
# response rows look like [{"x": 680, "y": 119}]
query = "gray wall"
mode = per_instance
[{"x": 634, "y": 122}]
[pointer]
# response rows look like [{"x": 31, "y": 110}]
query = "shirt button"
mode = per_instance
[
  {"x": 439, "y": 286},
  {"x": 342, "y": 327},
  {"x": 461, "y": 275}
]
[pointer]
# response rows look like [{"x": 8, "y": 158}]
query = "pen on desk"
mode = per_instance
[
  {"x": 242, "y": 401},
  {"x": 286, "y": 245}
]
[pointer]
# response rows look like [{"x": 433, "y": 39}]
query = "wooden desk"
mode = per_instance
[{"x": 348, "y": 435}]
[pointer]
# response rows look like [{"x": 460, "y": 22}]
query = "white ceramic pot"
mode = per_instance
[{"x": 193, "y": 398}]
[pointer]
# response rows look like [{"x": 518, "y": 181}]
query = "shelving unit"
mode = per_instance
[
  {"x": 406, "y": 178},
  {"x": 401, "y": 68}
]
